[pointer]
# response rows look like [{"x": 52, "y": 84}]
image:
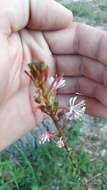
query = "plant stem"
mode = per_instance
[{"x": 67, "y": 147}]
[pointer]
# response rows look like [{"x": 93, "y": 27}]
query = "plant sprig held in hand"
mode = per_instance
[{"x": 45, "y": 95}]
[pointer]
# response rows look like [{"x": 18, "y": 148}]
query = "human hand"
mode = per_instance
[
  {"x": 20, "y": 43},
  {"x": 81, "y": 54}
]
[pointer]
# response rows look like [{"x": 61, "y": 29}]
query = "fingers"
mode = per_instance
[
  {"x": 83, "y": 75},
  {"x": 79, "y": 39},
  {"x": 14, "y": 15},
  {"x": 48, "y": 15},
  {"x": 76, "y": 65},
  {"x": 69, "y": 65},
  {"x": 93, "y": 107},
  {"x": 86, "y": 87},
  {"x": 37, "y": 49},
  {"x": 38, "y": 14}
]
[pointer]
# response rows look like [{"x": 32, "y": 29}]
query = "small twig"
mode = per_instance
[
  {"x": 96, "y": 176},
  {"x": 48, "y": 104}
]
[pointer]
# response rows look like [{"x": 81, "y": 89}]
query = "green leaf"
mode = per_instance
[
  {"x": 35, "y": 188},
  {"x": 55, "y": 105}
]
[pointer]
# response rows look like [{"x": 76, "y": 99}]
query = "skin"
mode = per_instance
[
  {"x": 81, "y": 56},
  {"x": 83, "y": 59}
]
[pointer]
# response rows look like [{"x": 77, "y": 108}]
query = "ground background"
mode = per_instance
[{"x": 24, "y": 167}]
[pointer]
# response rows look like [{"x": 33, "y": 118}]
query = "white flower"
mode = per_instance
[
  {"x": 76, "y": 110},
  {"x": 44, "y": 138},
  {"x": 60, "y": 143},
  {"x": 61, "y": 83},
  {"x": 57, "y": 84},
  {"x": 51, "y": 80}
]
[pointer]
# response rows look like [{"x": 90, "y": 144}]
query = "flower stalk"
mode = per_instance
[{"x": 45, "y": 95}]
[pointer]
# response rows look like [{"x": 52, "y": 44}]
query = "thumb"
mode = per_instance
[
  {"x": 49, "y": 15},
  {"x": 36, "y": 14}
]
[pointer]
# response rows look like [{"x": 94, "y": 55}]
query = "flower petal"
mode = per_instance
[{"x": 51, "y": 80}]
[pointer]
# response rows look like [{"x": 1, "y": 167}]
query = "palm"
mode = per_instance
[{"x": 19, "y": 45}]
